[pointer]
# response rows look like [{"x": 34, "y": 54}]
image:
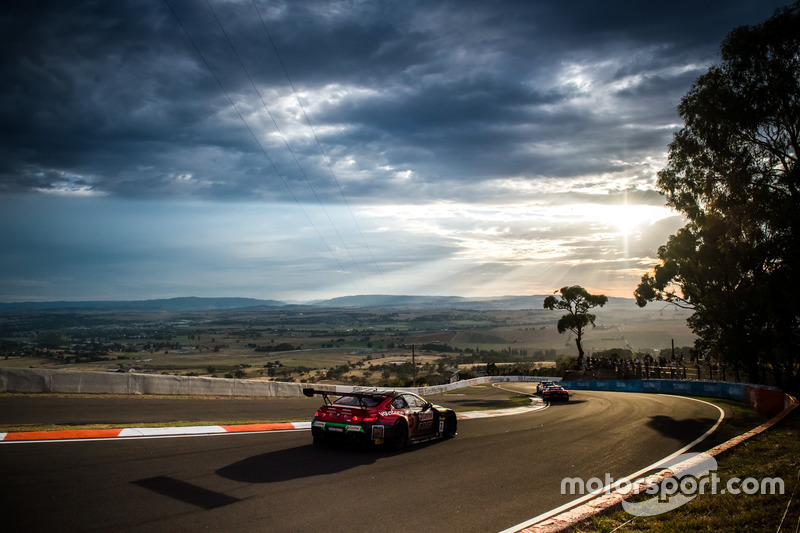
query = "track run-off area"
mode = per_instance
[{"x": 497, "y": 473}]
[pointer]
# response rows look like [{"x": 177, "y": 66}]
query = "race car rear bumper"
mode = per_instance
[{"x": 340, "y": 431}]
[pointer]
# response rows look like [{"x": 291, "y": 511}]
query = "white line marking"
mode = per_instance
[
  {"x": 630, "y": 478},
  {"x": 152, "y": 432}
]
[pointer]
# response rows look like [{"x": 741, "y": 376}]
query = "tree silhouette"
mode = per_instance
[
  {"x": 576, "y": 301},
  {"x": 732, "y": 172}
]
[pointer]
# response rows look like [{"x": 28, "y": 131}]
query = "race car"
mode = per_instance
[
  {"x": 393, "y": 418},
  {"x": 543, "y": 385},
  {"x": 555, "y": 392}
]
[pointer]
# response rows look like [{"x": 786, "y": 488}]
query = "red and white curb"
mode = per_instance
[
  {"x": 502, "y": 412},
  {"x": 537, "y": 404},
  {"x": 113, "y": 433},
  {"x": 28, "y": 436}
]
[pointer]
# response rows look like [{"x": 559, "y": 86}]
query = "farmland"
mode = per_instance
[{"x": 366, "y": 345}]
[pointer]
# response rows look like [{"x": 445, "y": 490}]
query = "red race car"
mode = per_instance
[
  {"x": 390, "y": 417},
  {"x": 555, "y": 392}
]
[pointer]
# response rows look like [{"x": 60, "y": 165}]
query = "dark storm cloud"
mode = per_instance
[{"x": 113, "y": 98}]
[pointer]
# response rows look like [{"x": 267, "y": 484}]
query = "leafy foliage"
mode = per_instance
[
  {"x": 732, "y": 171},
  {"x": 576, "y": 301}
]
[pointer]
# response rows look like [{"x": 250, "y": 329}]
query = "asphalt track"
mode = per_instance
[{"x": 498, "y": 472}]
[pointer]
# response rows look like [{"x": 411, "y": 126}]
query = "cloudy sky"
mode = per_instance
[{"x": 309, "y": 149}]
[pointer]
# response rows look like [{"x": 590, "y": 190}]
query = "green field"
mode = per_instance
[{"x": 305, "y": 345}]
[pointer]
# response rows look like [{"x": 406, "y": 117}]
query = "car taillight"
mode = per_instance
[
  {"x": 367, "y": 418},
  {"x": 320, "y": 414}
]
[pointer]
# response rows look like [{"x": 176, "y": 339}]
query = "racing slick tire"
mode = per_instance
[
  {"x": 450, "y": 426},
  {"x": 399, "y": 435}
]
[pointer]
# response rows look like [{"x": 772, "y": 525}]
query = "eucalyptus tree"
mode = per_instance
[
  {"x": 732, "y": 172},
  {"x": 576, "y": 301}
]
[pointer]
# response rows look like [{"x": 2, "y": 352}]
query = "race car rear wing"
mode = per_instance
[{"x": 310, "y": 392}]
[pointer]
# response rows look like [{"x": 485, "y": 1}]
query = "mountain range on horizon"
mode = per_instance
[{"x": 193, "y": 303}]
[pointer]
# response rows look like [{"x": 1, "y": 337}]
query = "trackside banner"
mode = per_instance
[{"x": 714, "y": 389}]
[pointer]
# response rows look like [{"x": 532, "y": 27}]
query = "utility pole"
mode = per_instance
[{"x": 413, "y": 368}]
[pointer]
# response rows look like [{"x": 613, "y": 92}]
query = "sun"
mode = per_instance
[{"x": 627, "y": 219}]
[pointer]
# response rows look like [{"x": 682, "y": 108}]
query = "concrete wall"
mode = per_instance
[
  {"x": 65, "y": 381},
  {"x": 39, "y": 380},
  {"x": 765, "y": 399}
]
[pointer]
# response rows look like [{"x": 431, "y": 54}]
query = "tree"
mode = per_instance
[
  {"x": 732, "y": 172},
  {"x": 577, "y": 301}
]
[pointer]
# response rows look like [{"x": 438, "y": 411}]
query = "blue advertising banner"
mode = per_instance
[{"x": 714, "y": 389}]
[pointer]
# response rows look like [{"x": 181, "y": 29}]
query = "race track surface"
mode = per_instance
[{"x": 496, "y": 473}]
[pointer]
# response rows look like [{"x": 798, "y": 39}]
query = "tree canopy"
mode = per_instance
[
  {"x": 576, "y": 301},
  {"x": 732, "y": 172}
]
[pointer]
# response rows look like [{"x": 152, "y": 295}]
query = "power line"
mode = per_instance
[
  {"x": 319, "y": 144},
  {"x": 255, "y": 138},
  {"x": 285, "y": 142}
]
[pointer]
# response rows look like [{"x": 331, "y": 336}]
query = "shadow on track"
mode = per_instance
[
  {"x": 304, "y": 461},
  {"x": 683, "y": 430}
]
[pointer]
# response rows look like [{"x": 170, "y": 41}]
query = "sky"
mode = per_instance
[{"x": 302, "y": 150}]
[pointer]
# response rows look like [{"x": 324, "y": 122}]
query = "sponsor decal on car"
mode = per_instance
[
  {"x": 400, "y": 412},
  {"x": 338, "y": 428}
]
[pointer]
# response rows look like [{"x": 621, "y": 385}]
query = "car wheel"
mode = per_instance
[
  {"x": 399, "y": 435},
  {"x": 450, "y": 425}
]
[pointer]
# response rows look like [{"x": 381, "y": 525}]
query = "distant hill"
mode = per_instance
[
  {"x": 362, "y": 301},
  {"x": 387, "y": 300},
  {"x": 171, "y": 304},
  {"x": 455, "y": 302}
]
